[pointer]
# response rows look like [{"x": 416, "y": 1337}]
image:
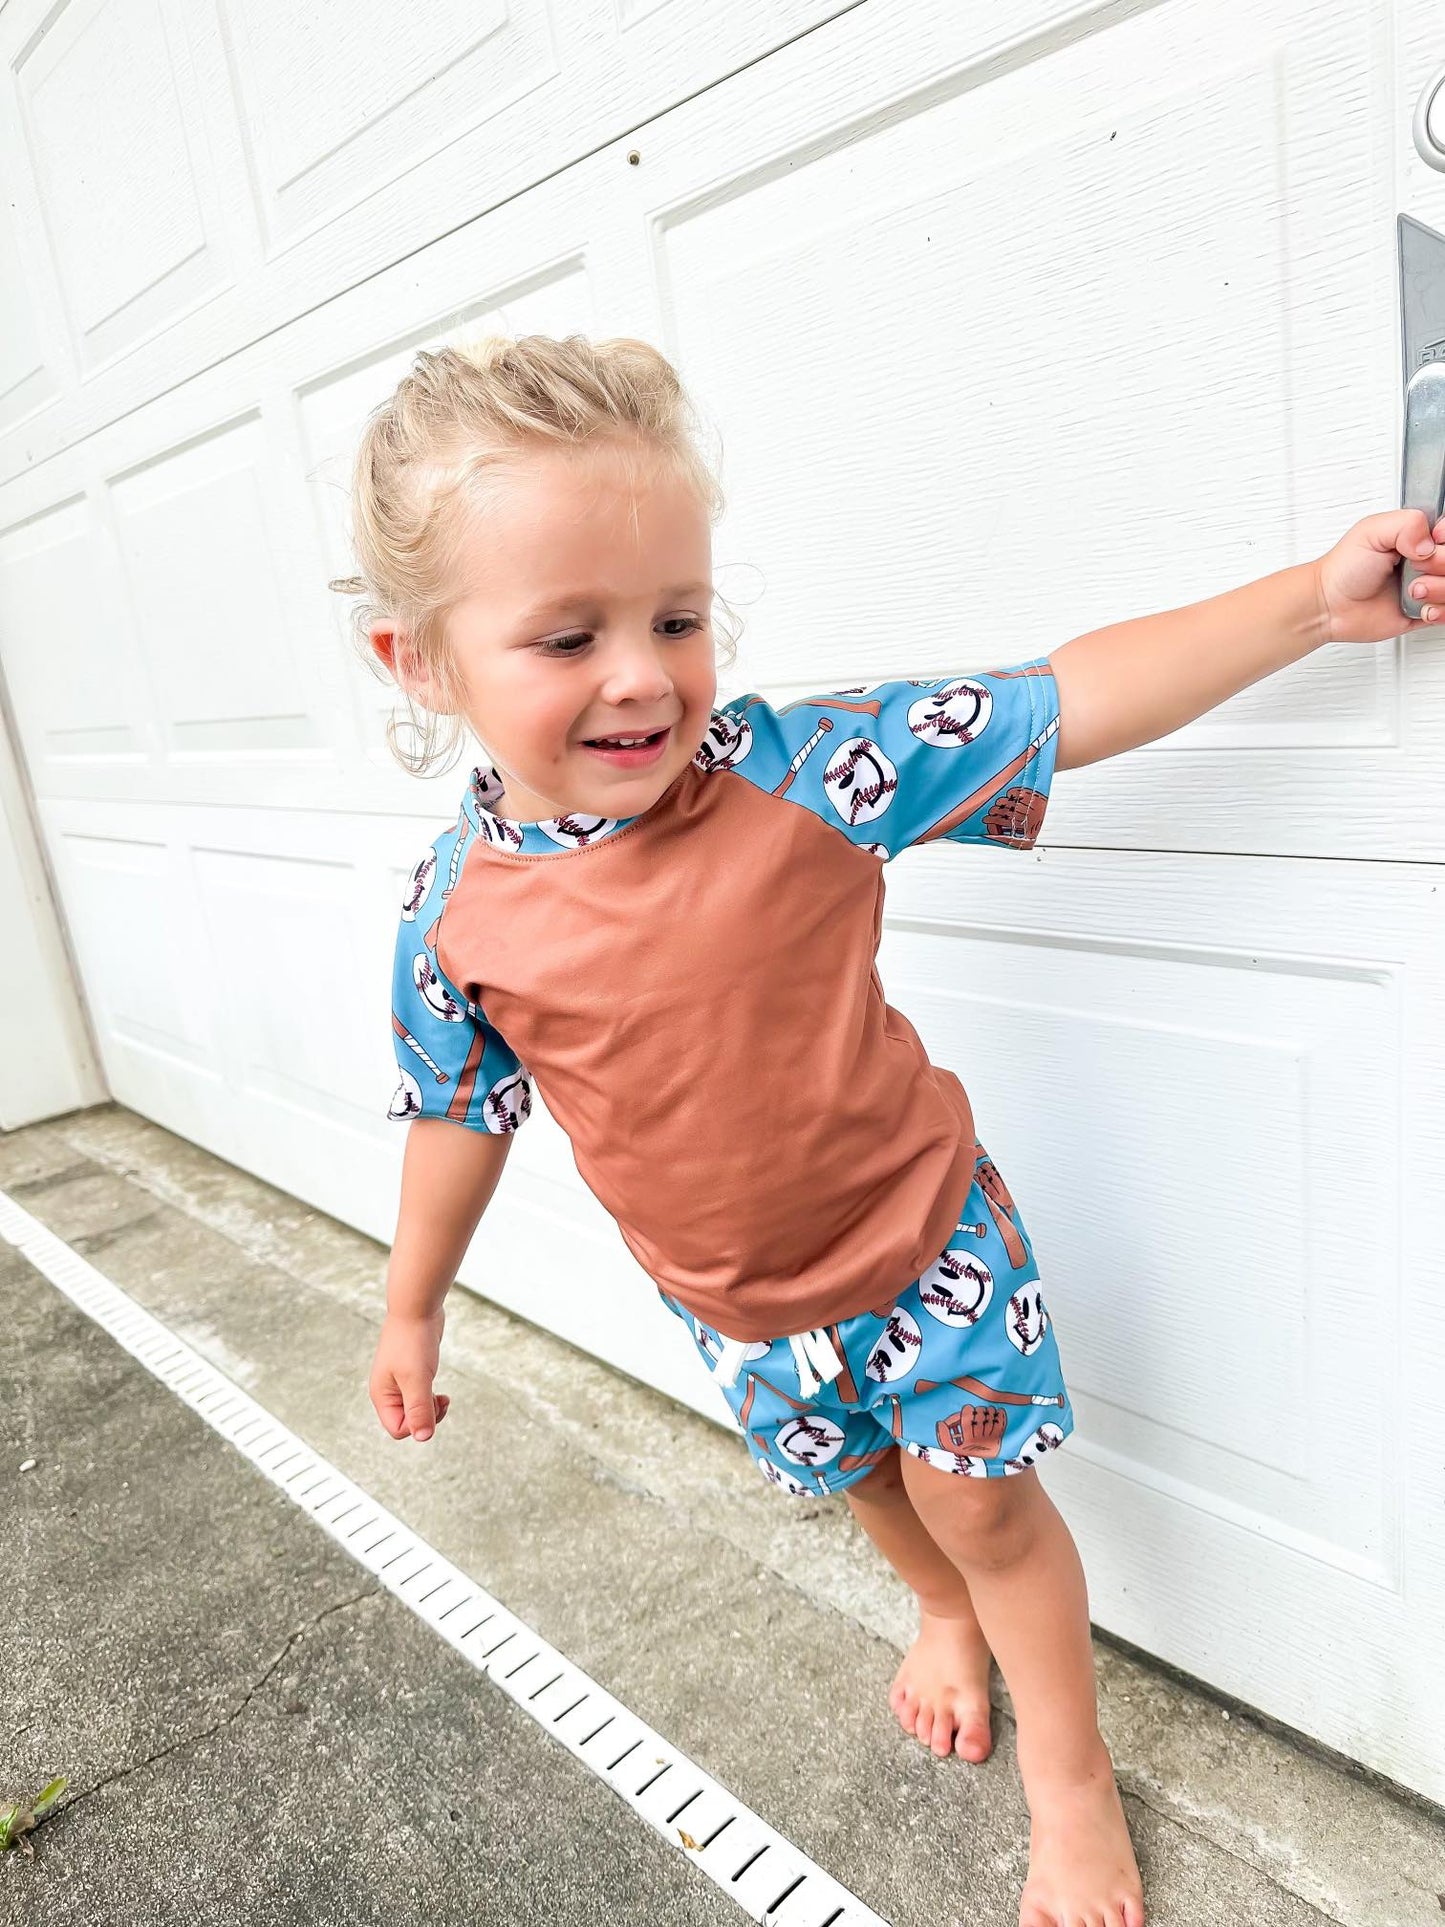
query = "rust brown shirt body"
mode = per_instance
[{"x": 695, "y": 991}]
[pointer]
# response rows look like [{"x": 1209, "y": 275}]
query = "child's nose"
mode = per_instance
[{"x": 637, "y": 671}]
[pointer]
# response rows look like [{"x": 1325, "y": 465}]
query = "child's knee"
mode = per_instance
[{"x": 987, "y": 1524}]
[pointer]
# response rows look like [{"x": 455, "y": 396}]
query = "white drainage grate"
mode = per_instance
[{"x": 763, "y": 1872}]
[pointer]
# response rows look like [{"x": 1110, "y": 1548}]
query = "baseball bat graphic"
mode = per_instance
[
  {"x": 467, "y": 1081},
  {"x": 986, "y": 793},
  {"x": 980, "y": 1390},
  {"x": 1000, "y": 1203},
  {"x": 847, "y": 1389},
  {"x": 851, "y": 1461},
  {"x": 406, "y": 1037},
  {"x": 868, "y": 708},
  {"x": 798, "y": 1405},
  {"x": 802, "y": 756},
  {"x": 745, "y": 1413}
]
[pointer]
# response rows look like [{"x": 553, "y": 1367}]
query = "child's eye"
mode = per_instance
[{"x": 558, "y": 645}]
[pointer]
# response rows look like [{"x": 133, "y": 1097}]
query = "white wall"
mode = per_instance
[{"x": 47, "y": 1058}]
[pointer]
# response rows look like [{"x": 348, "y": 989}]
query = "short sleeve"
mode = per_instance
[
  {"x": 969, "y": 758},
  {"x": 453, "y": 1063}
]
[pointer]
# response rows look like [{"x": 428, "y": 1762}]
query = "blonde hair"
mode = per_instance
[{"x": 421, "y": 475}]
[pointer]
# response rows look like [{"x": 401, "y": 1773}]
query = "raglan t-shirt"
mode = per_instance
[{"x": 695, "y": 994}]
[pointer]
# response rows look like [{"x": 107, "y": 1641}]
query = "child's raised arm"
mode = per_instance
[
  {"x": 1131, "y": 682},
  {"x": 449, "y": 1173}
]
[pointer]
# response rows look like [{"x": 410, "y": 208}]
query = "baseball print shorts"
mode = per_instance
[{"x": 961, "y": 1368}]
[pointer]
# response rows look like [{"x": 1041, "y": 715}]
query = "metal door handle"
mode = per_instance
[
  {"x": 1422, "y": 334},
  {"x": 1429, "y": 127}
]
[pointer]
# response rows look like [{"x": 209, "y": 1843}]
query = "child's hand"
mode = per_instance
[
  {"x": 1359, "y": 587},
  {"x": 406, "y": 1360}
]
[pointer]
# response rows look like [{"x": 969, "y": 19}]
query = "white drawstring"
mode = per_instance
[
  {"x": 730, "y": 1359},
  {"x": 818, "y": 1363},
  {"x": 813, "y": 1353}
]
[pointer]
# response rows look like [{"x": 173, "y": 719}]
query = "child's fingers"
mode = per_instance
[
  {"x": 420, "y": 1421},
  {"x": 387, "y": 1400},
  {"x": 1406, "y": 531}
]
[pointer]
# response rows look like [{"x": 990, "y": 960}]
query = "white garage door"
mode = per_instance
[{"x": 1014, "y": 320}]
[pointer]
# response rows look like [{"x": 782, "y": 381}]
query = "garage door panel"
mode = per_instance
[
  {"x": 73, "y": 665},
  {"x": 190, "y": 177},
  {"x": 207, "y": 587},
  {"x": 1213, "y": 1089}
]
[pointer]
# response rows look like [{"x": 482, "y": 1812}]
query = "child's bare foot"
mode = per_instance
[
  {"x": 1081, "y": 1861},
  {"x": 940, "y": 1692}
]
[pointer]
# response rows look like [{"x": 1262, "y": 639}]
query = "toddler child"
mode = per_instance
[{"x": 667, "y": 908}]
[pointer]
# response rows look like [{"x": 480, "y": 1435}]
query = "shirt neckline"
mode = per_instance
[
  {"x": 566, "y": 836},
  {"x": 486, "y": 789},
  {"x": 549, "y": 836}
]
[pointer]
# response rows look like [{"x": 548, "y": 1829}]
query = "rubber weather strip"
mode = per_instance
[{"x": 764, "y": 1873}]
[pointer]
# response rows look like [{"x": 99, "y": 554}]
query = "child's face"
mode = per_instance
[{"x": 632, "y": 613}]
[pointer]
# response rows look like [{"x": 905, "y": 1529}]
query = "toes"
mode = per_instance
[
  {"x": 923, "y": 1724},
  {"x": 942, "y": 1735},
  {"x": 974, "y": 1741}
]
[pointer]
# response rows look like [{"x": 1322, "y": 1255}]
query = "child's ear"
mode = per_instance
[{"x": 397, "y": 656}]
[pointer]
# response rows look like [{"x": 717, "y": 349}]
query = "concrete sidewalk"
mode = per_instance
[{"x": 255, "y": 1731}]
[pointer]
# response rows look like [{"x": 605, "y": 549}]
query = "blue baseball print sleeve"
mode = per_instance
[
  {"x": 453, "y": 1063},
  {"x": 969, "y": 758}
]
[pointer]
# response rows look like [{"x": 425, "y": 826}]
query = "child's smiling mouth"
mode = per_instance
[{"x": 633, "y": 755}]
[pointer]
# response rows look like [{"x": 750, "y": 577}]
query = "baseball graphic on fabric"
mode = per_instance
[
  {"x": 712, "y": 1345},
  {"x": 953, "y": 715},
  {"x": 418, "y": 884},
  {"x": 575, "y": 832},
  {"x": 1047, "y": 1439},
  {"x": 897, "y": 1348},
  {"x": 859, "y": 780},
  {"x": 956, "y": 1289},
  {"x": 488, "y": 788},
  {"x": 500, "y": 832},
  {"x": 406, "y": 1099},
  {"x": 434, "y": 993},
  {"x": 809, "y": 1440},
  {"x": 935, "y": 1455},
  {"x": 508, "y": 1104},
  {"x": 726, "y": 743},
  {"x": 1027, "y": 1320},
  {"x": 784, "y": 1481}
]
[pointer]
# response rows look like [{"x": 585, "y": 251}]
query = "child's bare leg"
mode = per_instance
[
  {"x": 1027, "y": 1587},
  {"x": 940, "y": 1692}
]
